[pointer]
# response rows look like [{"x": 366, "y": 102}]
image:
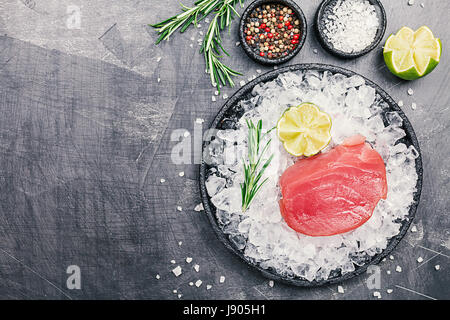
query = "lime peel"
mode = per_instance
[
  {"x": 411, "y": 54},
  {"x": 304, "y": 130}
]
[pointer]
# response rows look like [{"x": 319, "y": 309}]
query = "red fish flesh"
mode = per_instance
[{"x": 333, "y": 192}]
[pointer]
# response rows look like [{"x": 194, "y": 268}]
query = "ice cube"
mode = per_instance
[
  {"x": 214, "y": 184},
  {"x": 394, "y": 119}
]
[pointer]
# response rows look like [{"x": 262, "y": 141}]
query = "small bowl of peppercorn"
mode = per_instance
[{"x": 272, "y": 31}]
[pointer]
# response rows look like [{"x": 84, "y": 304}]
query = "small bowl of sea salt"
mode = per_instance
[{"x": 350, "y": 28}]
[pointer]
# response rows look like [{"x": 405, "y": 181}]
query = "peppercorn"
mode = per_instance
[{"x": 270, "y": 30}]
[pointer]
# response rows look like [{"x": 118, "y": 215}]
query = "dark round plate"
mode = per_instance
[
  {"x": 319, "y": 27},
  {"x": 230, "y": 112},
  {"x": 303, "y": 31}
]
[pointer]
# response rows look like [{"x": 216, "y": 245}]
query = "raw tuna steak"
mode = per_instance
[{"x": 333, "y": 192}]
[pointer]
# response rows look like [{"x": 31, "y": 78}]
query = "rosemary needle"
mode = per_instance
[
  {"x": 253, "y": 167},
  {"x": 212, "y": 48}
]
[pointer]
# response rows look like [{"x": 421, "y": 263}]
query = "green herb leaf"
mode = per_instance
[{"x": 253, "y": 171}]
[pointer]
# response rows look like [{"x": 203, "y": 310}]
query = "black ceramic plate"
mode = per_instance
[
  {"x": 303, "y": 31},
  {"x": 324, "y": 9},
  {"x": 228, "y": 115}
]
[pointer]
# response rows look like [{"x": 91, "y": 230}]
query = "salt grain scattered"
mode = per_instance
[
  {"x": 199, "y": 207},
  {"x": 162, "y": 180},
  {"x": 196, "y": 268},
  {"x": 180, "y": 243},
  {"x": 377, "y": 294},
  {"x": 191, "y": 45},
  {"x": 199, "y": 120},
  {"x": 315, "y": 51},
  {"x": 400, "y": 103},
  {"x": 391, "y": 257},
  {"x": 213, "y": 98},
  {"x": 411, "y": 2},
  {"x": 340, "y": 289},
  {"x": 159, "y": 80},
  {"x": 179, "y": 296},
  {"x": 238, "y": 44},
  {"x": 258, "y": 70},
  {"x": 191, "y": 284},
  {"x": 413, "y": 106},
  {"x": 188, "y": 259},
  {"x": 419, "y": 259},
  {"x": 410, "y": 91},
  {"x": 242, "y": 83},
  {"x": 208, "y": 286},
  {"x": 389, "y": 291},
  {"x": 271, "y": 283},
  {"x": 398, "y": 269},
  {"x": 216, "y": 92},
  {"x": 158, "y": 59},
  {"x": 179, "y": 208},
  {"x": 437, "y": 267},
  {"x": 172, "y": 261},
  {"x": 175, "y": 291},
  {"x": 422, "y": 5},
  {"x": 225, "y": 96},
  {"x": 198, "y": 283},
  {"x": 177, "y": 271},
  {"x": 158, "y": 276},
  {"x": 181, "y": 174},
  {"x": 388, "y": 272},
  {"x": 414, "y": 229},
  {"x": 222, "y": 279}
]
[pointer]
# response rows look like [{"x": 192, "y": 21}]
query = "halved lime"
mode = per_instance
[
  {"x": 412, "y": 54},
  {"x": 304, "y": 130}
]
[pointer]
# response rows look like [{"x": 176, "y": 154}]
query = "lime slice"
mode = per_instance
[
  {"x": 304, "y": 130},
  {"x": 412, "y": 54}
]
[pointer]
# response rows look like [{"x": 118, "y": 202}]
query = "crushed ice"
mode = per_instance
[{"x": 261, "y": 233}]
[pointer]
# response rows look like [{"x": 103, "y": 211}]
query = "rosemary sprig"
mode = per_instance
[
  {"x": 253, "y": 167},
  {"x": 211, "y": 48}
]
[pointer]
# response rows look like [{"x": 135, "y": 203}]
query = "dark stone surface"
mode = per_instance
[{"x": 85, "y": 137}]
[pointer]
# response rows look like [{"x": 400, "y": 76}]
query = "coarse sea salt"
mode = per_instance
[
  {"x": 351, "y": 25},
  {"x": 260, "y": 233},
  {"x": 177, "y": 271}
]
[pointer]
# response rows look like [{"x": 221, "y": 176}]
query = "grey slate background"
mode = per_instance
[{"x": 85, "y": 137}]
